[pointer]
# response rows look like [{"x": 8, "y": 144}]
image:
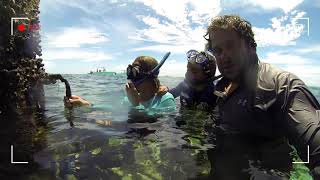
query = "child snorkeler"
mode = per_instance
[{"x": 196, "y": 90}]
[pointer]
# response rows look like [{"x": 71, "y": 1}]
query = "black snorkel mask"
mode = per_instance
[
  {"x": 197, "y": 57},
  {"x": 137, "y": 76},
  {"x": 202, "y": 59}
]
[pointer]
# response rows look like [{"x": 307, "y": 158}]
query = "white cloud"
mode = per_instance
[
  {"x": 113, "y": 1},
  {"x": 286, "y": 59},
  {"x": 304, "y": 68},
  {"x": 91, "y": 7},
  {"x": 310, "y": 49},
  {"x": 183, "y": 24},
  {"x": 66, "y": 45},
  {"x": 261, "y": 6},
  {"x": 310, "y": 74},
  {"x": 173, "y": 10},
  {"x": 49, "y": 66},
  {"x": 204, "y": 10},
  {"x": 173, "y": 68},
  {"x": 285, "y": 5},
  {"x": 75, "y": 37},
  {"x": 75, "y": 55},
  {"x": 169, "y": 47},
  {"x": 283, "y": 31},
  {"x": 118, "y": 68}
]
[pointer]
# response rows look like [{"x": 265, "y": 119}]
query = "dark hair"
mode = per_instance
[
  {"x": 147, "y": 63},
  {"x": 235, "y": 22}
]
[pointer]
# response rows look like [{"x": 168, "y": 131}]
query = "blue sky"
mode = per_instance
[{"x": 82, "y": 35}]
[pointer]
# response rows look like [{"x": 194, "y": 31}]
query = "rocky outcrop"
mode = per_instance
[{"x": 21, "y": 87}]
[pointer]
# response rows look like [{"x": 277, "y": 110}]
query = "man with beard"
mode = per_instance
[{"x": 261, "y": 109}]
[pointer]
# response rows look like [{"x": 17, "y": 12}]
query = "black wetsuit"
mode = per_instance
[
  {"x": 270, "y": 106},
  {"x": 189, "y": 97}
]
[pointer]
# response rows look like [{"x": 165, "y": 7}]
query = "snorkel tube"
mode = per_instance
[
  {"x": 154, "y": 71},
  {"x": 51, "y": 79},
  {"x": 218, "y": 76},
  {"x": 59, "y": 76}
]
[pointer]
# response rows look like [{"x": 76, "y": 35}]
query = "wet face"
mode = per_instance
[
  {"x": 231, "y": 52},
  {"x": 146, "y": 89},
  {"x": 195, "y": 73}
]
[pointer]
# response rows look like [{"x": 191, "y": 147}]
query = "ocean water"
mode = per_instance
[{"x": 101, "y": 143}]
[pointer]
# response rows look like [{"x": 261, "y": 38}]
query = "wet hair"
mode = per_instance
[
  {"x": 235, "y": 22},
  {"x": 212, "y": 67},
  {"x": 208, "y": 67},
  {"x": 146, "y": 64}
]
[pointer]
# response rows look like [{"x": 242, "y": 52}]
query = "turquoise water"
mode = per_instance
[
  {"x": 99, "y": 143},
  {"x": 316, "y": 92}
]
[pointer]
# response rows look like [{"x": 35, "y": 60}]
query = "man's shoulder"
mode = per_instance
[{"x": 270, "y": 76}]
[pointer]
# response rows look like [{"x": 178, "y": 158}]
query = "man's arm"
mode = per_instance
[{"x": 301, "y": 111}]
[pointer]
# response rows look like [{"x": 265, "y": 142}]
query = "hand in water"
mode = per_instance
[
  {"x": 132, "y": 93},
  {"x": 75, "y": 100}
]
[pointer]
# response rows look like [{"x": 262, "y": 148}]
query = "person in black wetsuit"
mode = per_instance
[
  {"x": 260, "y": 107},
  {"x": 196, "y": 90}
]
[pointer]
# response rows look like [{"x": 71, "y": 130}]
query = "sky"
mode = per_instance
[{"x": 82, "y": 35}]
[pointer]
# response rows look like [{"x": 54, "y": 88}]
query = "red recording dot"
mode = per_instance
[{"x": 21, "y": 27}]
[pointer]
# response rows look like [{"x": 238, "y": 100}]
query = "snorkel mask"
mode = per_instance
[
  {"x": 195, "y": 56},
  {"x": 206, "y": 60},
  {"x": 137, "y": 76},
  {"x": 202, "y": 58}
]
